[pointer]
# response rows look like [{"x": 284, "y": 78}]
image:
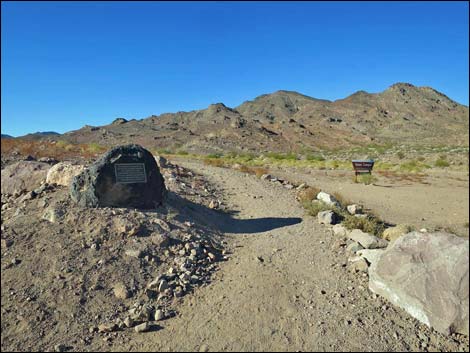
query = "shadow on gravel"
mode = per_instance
[{"x": 224, "y": 221}]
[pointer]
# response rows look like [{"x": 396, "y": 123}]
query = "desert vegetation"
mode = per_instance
[{"x": 54, "y": 149}]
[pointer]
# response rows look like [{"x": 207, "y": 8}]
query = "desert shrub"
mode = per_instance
[
  {"x": 366, "y": 179},
  {"x": 260, "y": 171},
  {"x": 341, "y": 199},
  {"x": 160, "y": 151},
  {"x": 411, "y": 166},
  {"x": 421, "y": 159},
  {"x": 314, "y": 157},
  {"x": 59, "y": 150},
  {"x": 281, "y": 156},
  {"x": 313, "y": 208},
  {"x": 214, "y": 155},
  {"x": 400, "y": 155},
  {"x": 369, "y": 224},
  {"x": 214, "y": 162},
  {"x": 441, "y": 163},
  {"x": 308, "y": 194},
  {"x": 182, "y": 152}
]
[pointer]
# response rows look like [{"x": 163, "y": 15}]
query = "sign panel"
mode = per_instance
[{"x": 130, "y": 173}]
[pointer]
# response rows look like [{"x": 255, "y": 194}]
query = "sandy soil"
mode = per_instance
[
  {"x": 440, "y": 200},
  {"x": 286, "y": 286}
]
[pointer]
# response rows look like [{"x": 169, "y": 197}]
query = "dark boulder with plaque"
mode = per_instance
[{"x": 125, "y": 176}]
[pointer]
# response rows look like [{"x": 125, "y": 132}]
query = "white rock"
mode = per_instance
[
  {"x": 354, "y": 209},
  {"x": 371, "y": 255},
  {"x": 339, "y": 230},
  {"x": 427, "y": 274},
  {"x": 367, "y": 240},
  {"x": 328, "y": 199},
  {"x": 62, "y": 173},
  {"x": 326, "y": 217}
]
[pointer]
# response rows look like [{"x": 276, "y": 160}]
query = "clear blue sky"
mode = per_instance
[{"x": 68, "y": 64}]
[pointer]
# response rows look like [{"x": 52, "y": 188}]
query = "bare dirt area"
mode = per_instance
[
  {"x": 281, "y": 281},
  {"x": 439, "y": 199}
]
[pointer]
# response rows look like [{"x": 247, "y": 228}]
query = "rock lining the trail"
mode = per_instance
[{"x": 428, "y": 276}]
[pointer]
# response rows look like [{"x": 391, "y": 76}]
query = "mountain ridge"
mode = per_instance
[{"x": 290, "y": 121}]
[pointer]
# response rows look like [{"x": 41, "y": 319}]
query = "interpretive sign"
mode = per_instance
[{"x": 128, "y": 173}]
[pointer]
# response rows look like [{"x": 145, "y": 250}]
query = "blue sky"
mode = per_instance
[{"x": 67, "y": 64}]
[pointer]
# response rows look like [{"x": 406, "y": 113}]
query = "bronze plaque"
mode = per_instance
[{"x": 130, "y": 173}]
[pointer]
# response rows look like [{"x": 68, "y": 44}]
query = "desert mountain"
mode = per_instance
[
  {"x": 39, "y": 135},
  {"x": 290, "y": 121}
]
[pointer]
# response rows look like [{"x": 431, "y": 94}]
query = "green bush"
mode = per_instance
[
  {"x": 441, "y": 163},
  {"x": 314, "y": 157},
  {"x": 313, "y": 208},
  {"x": 369, "y": 224},
  {"x": 366, "y": 179}
]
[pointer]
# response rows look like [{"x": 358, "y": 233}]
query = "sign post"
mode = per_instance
[{"x": 362, "y": 166}]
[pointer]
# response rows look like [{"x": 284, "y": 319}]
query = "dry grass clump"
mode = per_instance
[
  {"x": 366, "y": 179},
  {"x": 412, "y": 177},
  {"x": 259, "y": 171},
  {"x": 214, "y": 162},
  {"x": 369, "y": 224},
  {"x": 308, "y": 194},
  {"x": 59, "y": 150},
  {"x": 341, "y": 199},
  {"x": 313, "y": 208}
]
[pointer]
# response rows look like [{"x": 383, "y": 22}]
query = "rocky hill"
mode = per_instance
[{"x": 290, "y": 121}]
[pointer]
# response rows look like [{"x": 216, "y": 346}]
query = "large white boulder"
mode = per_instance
[
  {"x": 328, "y": 199},
  {"x": 426, "y": 274},
  {"x": 62, "y": 173}
]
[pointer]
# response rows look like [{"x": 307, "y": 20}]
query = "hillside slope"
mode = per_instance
[{"x": 289, "y": 121}]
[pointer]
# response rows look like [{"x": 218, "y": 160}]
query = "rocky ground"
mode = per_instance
[
  {"x": 72, "y": 275},
  {"x": 231, "y": 263}
]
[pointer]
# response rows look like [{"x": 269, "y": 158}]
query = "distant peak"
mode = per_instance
[{"x": 402, "y": 85}]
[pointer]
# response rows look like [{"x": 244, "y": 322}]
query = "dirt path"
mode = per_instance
[{"x": 283, "y": 289}]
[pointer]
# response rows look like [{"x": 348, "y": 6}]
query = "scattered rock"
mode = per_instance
[
  {"x": 354, "y": 209},
  {"x": 371, "y": 255},
  {"x": 393, "y": 233},
  {"x": 339, "y": 230},
  {"x": 60, "y": 348},
  {"x": 214, "y": 204},
  {"x": 162, "y": 162},
  {"x": 326, "y": 217},
  {"x": 120, "y": 291},
  {"x": 427, "y": 274},
  {"x": 266, "y": 176},
  {"x": 145, "y": 327},
  {"x": 159, "y": 315},
  {"x": 53, "y": 215},
  {"x": 110, "y": 327},
  {"x": 354, "y": 247},
  {"x": 29, "y": 196},
  {"x": 358, "y": 264},
  {"x": 367, "y": 240}
]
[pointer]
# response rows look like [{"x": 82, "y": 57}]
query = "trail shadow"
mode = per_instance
[{"x": 224, "y": 222}]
